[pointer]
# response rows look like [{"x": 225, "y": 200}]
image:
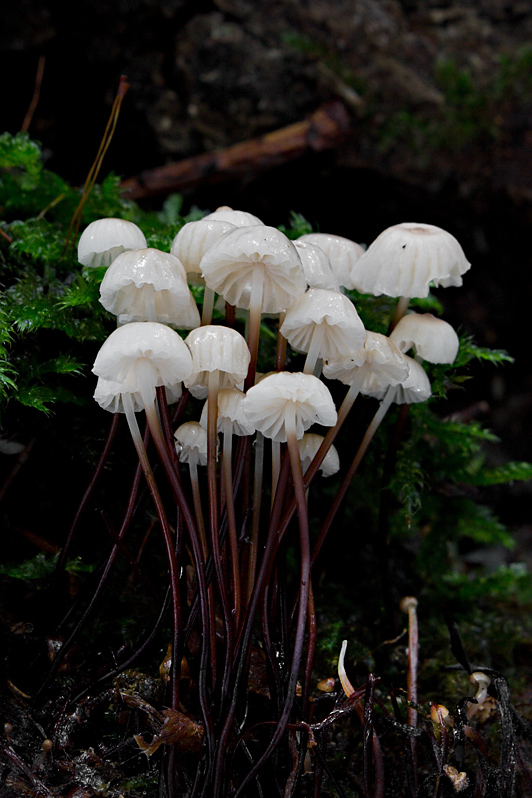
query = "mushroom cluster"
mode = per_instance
[{"x": 232, "y": 545}]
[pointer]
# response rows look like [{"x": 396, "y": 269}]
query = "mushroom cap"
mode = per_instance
[
  {"x": 217, "y": 348},
  {"x": 342, "y": 253},
  {"x": 239, "y": 218},
  {"x": 331, "y": 310},
  {"x": 416, "y": 388},
  {"x": 143, "y": 283},
  {"x": 230, "y": 408},
  {"x": 191, "y": 443},
  {"x": 143, "y": 356},
  {"x": 431, "y": 338},
  {"x": 316, "y": 266},
  {"x": 109, "y": 395},
  {"x": 267, "y": 402},
  {"x": 228, "y": 267},
  {"x": 104, "y": 239},
  {"x": 194, "y": 239},
  {"x": 309, "y": 445},
  {"x": 384, "y": 363},
  {"x": 405, "y": 258}
]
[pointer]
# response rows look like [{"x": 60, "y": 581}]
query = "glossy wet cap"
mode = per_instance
[
  {"x": 266, "y": 404},
  {"x": 229, "y": 265},
  {"x": 334, "y": 313},
  {"x": 149, "y": 285},
  {"x": 191, "y": 443},
  {"x": 431, "y": 338},
  {"x": 406, "y": 258},
  {"x": 217, "y": 348},
  {"x": 308, "y": 447},
  {"x": 343, "y": 254},
  {"x": 104, "y": 239}
]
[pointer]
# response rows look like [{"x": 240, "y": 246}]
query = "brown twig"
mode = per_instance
[
  {"x": 36, "y": 94},
  {"x": 97, "y": 164},
  {"x": 324, "y": 129}
]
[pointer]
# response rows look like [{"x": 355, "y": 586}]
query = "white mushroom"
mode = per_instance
[
  {"x": 256, "y": 268},
  {"x": 190, "y": 245},
  {"x": 405, "y": 259},
  {"x": 308, "y": 446},
  {"x": 239, "y": 218},
  {"x": 191, "y": 448},
  {"x": 149, "y": 285},
  {"x": 431, "y": 338},
  {"x": 324, "y": 324},
  {"x": 104, "y": 239},
  {"x": 289, "y": 403},
  {"x": 141, "y": 356},
  {"x": 343, "y": 254},
  {"x": 316, "y": 265}
]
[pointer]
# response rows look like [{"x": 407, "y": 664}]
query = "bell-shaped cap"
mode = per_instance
[
  {"x": 416, "y": 388},
  {"x": 191, "y": 443},
  {"x": 308, "y": 447},
  {"x": 431, "y": 338},
  {"x": 316, "y": 266},
  {"x": 239, "y": 218},
  {"x": 194, "y": 239},
  {"x": 149, "y": 285},
  {"x": 384, "y": 364},
  {"x": 266, "y": 404},
  {"x": 217, "y": 348},
  {"x": 334, "y": 313},
  {"x": 342, "y": 253},
  {"x": 109, "y": 395},
  {"x": 230, "y": 408},
  {"x": 104, "y": 239},
  {"x": 228, "y": 267},
  {"x": 406, "y": 258},
  {"x": 143, "y": 356}
]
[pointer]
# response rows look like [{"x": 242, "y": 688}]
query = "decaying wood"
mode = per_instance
[{"x": 324, "y": 129}]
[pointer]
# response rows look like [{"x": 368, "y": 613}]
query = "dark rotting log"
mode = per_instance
[{"x": 325, "y": 129}]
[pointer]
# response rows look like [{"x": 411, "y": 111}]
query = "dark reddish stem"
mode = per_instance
[{"x": 88, "y": 493}]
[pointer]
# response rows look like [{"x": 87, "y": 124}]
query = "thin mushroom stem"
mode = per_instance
[
  {"x": 280, "y": 355},
  {"x": 353, "y": 468},
  {"x": 88, "y": 493},
  {"x": 255, "y": 313},
  {"x": 65, "y": 648},
  {"x": 400, "y": 310},
  {"x": 198, "y": 508},
  {"x": 276, "y": 467},
  {"x": 151, "y": 415},
  {"x": 231, "y": 519},
  {"x": 325, "y": 445},
  {"x": 304, "y": 588},
  {"x": 409, "y": 605},
  {"x": 244, "y": 640},
  {"x": 208, "y": 306},
  {"x": 313, "y": 353},
  {"x": 172, "y": 474},
  {"x": 255, "y": 519},
  {"x": 200, "y": 521},
  {"x": 212, "y": 446}
]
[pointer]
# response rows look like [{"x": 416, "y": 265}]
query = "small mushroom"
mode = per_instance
[
  {"x": 104, "y": 239},
  {"x": 190, "y": 245},
  {"x": 432, "y": 339},
  {"x": 286, "y": 404},
  {"x": 343, "y": 254},
  {"x": 149, "y": 285},
  {"x": 325, "y": 324},
  {"x": 308, "y": 446}
]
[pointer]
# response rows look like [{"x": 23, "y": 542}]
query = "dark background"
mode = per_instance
[{"x": 440, "y": 98}]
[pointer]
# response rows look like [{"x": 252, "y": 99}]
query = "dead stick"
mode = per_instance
[{"x": 324, "y": 129}]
